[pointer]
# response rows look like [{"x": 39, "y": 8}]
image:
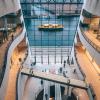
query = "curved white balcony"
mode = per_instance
[
  {"x": 92, "y": 6},
  {"x": 13, "y": 45},
  {"x": 90, "y": 45},
  {"x": 9, "y": 6},
  {"x": 91, "y": 75}
]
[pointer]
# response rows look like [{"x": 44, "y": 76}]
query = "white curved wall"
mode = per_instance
[
  {"x": 22, "y": 79},
  {"x": 80, "y": 76},
  {"x": 10, "y": 51},
  {"x": 6, "y": 7},
  {"x": 92, "y": 6},
  {"x": 93, "y": 52},
  {"x": 9, "y": 6}
]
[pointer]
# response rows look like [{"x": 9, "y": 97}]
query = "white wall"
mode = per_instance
[
  {"x": 92, "y": 6},
  {"x": 21, "y": 85},
  {"x": 9, "y": 6},
  {"x": 6, "y": 7},
  {"x": 93, "y": 52},
  {"x": 10, "y": 51}
]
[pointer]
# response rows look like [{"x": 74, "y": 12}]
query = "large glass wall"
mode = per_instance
[{"x": 54, "y": 45}]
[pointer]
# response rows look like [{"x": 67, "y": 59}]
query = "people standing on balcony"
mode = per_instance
[
  {"x": 72, "y": 61},
  {"x": 64, "y": 63},
  {"x": 46, "y": 96},
  {"x": 68, "y": 61},
  {"x": 1, "y": 37},
  {"x": 74, "y": 71},
  {"x": 5, "y": 36},
  {"x": 12, "y": 36}
]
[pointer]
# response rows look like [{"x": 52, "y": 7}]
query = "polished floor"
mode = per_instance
[
  {"x": 33, "y": 85},
  {"x": 92, "y": 75},
  {"x": 15, "y": 66}
]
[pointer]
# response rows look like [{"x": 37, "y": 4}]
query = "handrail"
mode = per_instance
[
  {"x": 88, "y": 40},
  {"x": 12, "y": 46},
  {"x": 5, "y": 61},
  {"x": 89, "y": 91},
  {"x": 74, "y": 36},
  {"x": 4, "y": 65},
  {"x": 51, "y": 2},
  {"x": 17, "y": 80},
  {"x": 18, "y": 77},
  {"x": 17, "y": 84},
  {"x": 78, "y": 63}
]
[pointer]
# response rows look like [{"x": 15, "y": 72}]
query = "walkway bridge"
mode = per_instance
[{"x": 58, "y": 79}]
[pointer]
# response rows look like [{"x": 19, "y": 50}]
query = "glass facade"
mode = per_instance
[{"x": 47, "y": 43}]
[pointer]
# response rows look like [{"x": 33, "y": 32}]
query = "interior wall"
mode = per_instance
[
  {"x": 92, "y": 6},
  {"x": 9, "y": 6}
]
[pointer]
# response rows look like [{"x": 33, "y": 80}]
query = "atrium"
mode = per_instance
[{"x": 49, "y": 50}]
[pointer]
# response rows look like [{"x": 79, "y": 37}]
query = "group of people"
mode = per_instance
[
  {"x": 68, "y": 62},
  {"x": 3, "y": 36}
]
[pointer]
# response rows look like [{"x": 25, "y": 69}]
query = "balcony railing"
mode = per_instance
[
  {"x": 94, "y": 45},
  {"x": 5, "y": 59},
  {"x": 83, "y": 74}
]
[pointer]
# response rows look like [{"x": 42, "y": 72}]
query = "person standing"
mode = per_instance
[
  {"x": 64, "y": 63},
  {"x": 12, "y": 36}
]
